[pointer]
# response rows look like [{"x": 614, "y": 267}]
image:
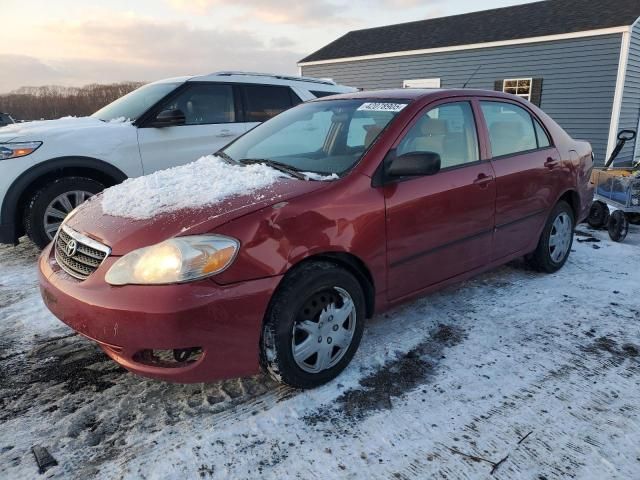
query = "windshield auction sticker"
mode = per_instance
[{"x": 381, "y": 107}]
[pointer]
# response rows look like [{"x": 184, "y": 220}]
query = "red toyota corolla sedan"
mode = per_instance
[{"x": 274, "y": 251}]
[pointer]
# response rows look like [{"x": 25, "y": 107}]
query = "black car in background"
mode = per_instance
[{"x": 5, "y": 119}]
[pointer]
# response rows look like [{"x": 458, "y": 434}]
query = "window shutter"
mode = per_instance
[
  {"x": 498, "y": 85},
  {"x": 536, "y": 91}
]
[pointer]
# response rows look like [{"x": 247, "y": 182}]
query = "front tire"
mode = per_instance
[
  {"x": 556, "y": 240},
  {"x": 48, "y": 207},
  {"x": 313, "y": 326}
]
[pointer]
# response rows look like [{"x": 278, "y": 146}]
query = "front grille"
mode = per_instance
[{"x": 77, "y": 254}]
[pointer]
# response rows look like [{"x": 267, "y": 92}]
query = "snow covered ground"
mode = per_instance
[{"x": 512, "y": 375}]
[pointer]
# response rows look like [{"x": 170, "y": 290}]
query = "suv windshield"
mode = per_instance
[
  {"x": 324, "y": 137},
  {"x": 135, "y": 103}
]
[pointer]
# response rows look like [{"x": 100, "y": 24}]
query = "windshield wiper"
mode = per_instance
[
  {"x": 283, "y": 167},
  {"x": 226, "y": 157}
]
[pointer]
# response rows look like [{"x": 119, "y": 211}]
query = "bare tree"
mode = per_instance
[{"x": 53, "y": 101}]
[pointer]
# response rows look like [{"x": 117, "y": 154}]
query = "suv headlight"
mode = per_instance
[
  {"x": 17, "y": 149},
  {"x": 178, "y": 260}
]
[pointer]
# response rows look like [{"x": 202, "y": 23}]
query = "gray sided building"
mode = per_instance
[{"x": 577, "y": 59}]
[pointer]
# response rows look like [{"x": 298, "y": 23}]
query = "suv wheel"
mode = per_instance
[
  {"x": 556, "y": 240},
  {"x": 51, "y": 204},
  {"x": 313, "y": 326}
]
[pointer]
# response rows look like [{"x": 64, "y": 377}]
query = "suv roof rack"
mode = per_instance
[{"x": 279, "y": 77}]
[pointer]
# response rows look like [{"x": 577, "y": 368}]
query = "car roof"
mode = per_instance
[
  {"x": 307, "y": 83},
  {"x": 412, "y": 94}
]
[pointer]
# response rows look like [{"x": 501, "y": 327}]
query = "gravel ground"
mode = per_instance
[{"x": 514, "y": 374}]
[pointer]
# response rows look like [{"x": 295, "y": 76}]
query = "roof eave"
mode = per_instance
[{"x": 475, "y": 46}]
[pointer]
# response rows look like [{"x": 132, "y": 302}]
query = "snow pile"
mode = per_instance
[
  {"x": 120, "y": 120},
  {"x": 318, "y": 177},
  {"x": 206, "y": 181},
  {"x": 68, "y": 121}
]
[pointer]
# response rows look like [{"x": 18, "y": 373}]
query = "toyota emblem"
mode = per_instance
[{"x": 71, "y": 248}]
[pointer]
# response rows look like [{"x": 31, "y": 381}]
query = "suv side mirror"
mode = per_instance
[
  {"x": 169, "y": 118},
  {"x": 414, "y": 164}
]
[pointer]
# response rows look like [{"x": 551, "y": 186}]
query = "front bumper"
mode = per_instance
[{"x": 224, "y": 321}]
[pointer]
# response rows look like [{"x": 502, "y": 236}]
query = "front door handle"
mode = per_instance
[
  {"x": 225, "y": 134},
  {"x": 551, "y": 163},
  {"x": 483, "y": 180}
]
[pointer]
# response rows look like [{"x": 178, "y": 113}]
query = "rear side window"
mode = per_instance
[
  {"x": 262, "y": 102},
  {"x": 512, "y": 129},
  {"x": 319, "y": 94}
]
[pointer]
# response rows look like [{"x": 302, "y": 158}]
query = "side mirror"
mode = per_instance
[
  {"x": 627, "y": 135},
  {"x": 414, "y": 164},
  {"x": 169, "y": 118}
]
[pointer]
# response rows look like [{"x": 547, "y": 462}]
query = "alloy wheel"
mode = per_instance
[{"x": 60, "y": 207}]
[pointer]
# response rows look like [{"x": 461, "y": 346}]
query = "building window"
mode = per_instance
[{"x": 518, "y": 86}]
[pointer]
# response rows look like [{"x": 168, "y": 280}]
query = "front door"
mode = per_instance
[
  {"x": 528, "y": 172},
  {"x": 211, "y": 122},
  {"x": 440, "y": 226}
]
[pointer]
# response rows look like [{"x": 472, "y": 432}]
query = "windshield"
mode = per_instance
[
  {"x": 323, "y": 137},
  {"x": 135, "y": 103}
]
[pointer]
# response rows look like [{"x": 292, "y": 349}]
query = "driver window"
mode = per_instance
[
  {"x": 448, "y": 130},
  {"x": 205, "y": 104}
]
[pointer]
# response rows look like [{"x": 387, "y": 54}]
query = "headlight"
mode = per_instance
[
  {"x": 17, "y": 149},
  {"x": 177, "y": 260}
]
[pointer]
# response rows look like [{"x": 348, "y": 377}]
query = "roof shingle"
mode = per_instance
[{"x": 550, "y": 17}]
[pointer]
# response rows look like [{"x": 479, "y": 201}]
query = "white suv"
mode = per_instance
[{"x": 47, "y": 168}]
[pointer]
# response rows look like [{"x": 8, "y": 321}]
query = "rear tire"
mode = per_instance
[
  {"x": 313, "y": 326},
  {"x": 57, "y": 198},
  {"x": 598, "y": 215},
  {"x": 555, "y": 241},
  {"x": 618, "y": 226}
]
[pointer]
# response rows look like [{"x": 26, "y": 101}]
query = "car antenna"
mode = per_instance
[{"x": 471, "y": 77}]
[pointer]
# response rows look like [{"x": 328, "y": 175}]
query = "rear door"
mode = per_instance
[
  {"x": 528, "y": 174},
  {"x": 212, "y": 120},
  {"x": 440, "y": 226}
]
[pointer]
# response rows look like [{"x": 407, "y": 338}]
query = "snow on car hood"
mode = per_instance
[
  {"x": 198, "y": 184},
  {"x": 66, "y": 126},
  {"x": 186, "y": 200}
]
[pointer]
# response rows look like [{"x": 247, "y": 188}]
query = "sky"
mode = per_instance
[{"x": 77, "y": 42}]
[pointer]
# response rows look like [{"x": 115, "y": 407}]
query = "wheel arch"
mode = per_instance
[
  {"x": 572, "y": 197},
  {"x": 351, "y": 263},
  {"x": 31, "y": 180}
]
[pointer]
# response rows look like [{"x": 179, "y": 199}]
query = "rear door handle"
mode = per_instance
[
  {"x": 483, "y": 180},
  {"x": 551, "y": 163}
]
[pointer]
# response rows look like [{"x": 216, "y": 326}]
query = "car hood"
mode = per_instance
[
  {"x": 125, "y": 234},
  {"x": 43, "y": 129}
]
